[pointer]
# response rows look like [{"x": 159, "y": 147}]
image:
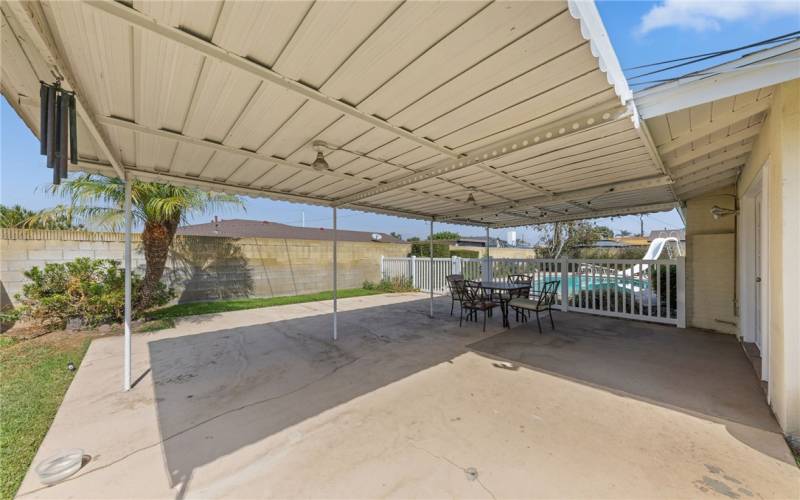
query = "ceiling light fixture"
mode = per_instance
[{"x": 319, "y": 163}]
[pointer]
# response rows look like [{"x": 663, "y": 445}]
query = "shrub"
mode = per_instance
[
  {"x": 92, "y": 290},
  {"x": 390, "y": 285},
  {"x": 660, "y": 285},
  {"x": 633, "y": 252},
  {"x": 465, "y": 254},
  {"x": 423, "y": 250}
]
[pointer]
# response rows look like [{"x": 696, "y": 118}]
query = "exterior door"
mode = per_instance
[{"x": 757, "y": 282}]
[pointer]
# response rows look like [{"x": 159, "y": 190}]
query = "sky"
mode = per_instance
[{"x": 641, "y": 32}]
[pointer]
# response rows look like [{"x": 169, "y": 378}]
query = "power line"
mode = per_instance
[{"x": 685, "y": 61}]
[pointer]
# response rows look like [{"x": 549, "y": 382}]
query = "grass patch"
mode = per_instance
[
  {"x": 156, "y": 325},
  {"x": 194, "y": 308},
  {"x": 33, "y": 380}
]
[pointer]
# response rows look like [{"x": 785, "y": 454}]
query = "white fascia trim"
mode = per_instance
[
  {"x": 743, "y": 75},
  {"x": 594, "y": 31}
]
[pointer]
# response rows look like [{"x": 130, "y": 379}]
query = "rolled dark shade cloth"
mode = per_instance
[
  {"x": 57, "y": 143},
  {"x": 73, "y": 130},
  {"x": 63, "y": 121},
  {"x": 44, "y": 92},
  {"x": 51, "y": 127}
]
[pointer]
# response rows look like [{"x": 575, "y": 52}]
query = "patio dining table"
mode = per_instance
[{"x": 504, "y": 292}]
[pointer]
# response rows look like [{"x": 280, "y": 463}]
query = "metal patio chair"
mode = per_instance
[
  {"x": 519, "y": 279},
  {"x": 478, "y": 299},
  {"x": 454, "y": 296},
  {"x": 538, "y": 301}
]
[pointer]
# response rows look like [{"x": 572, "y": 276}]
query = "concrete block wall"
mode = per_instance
[{"x": 205, "y": 268}]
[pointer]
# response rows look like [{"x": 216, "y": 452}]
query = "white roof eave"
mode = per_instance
[{"x": 594, "y": 31}]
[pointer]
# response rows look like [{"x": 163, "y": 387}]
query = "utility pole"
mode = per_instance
[{"x": 641, "y": 225}]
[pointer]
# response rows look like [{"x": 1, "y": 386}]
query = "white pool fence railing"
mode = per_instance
[{"x": 650, "y": 290}]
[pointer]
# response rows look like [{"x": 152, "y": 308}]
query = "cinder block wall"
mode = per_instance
[{"x": 202, "y": 267}]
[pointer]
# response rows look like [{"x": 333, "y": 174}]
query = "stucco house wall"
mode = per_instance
[
  {"x": 710, "y": 263},
  {"x": 778, "y": 145}
]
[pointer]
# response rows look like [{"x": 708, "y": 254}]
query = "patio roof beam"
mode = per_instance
[
  {"x": 580, "y": 122},
  {"x": 716, "y": 125},
  {"x": 566, "y": 196},
  {"x": 700, "y": 188},
  {"x": 144, "y": 22},
  {"x": 650, "y": 146},
  {"x": 714, "y": 146},
  {"x": 659, "y": 207},
  {"x": 718, "y": 167},
  {"x": 177, "y": 136},
  {"x": 103, "y": 168},
  {"x": 730, "y": 154},
  {"x": 33, "y": 22}
]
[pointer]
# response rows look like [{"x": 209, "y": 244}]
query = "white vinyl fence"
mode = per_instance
[{"x": 650, "y": 290}]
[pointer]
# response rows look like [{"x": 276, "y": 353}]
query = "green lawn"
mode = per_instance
[
  {"x": 193, "y": 308},
  {"x": 33, "y": 380}
]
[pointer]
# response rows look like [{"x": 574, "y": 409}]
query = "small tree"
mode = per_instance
[
  {"x": 565, "y": 237},
  {"x": 160, "y": 208},
  {"x": 440, "y": 250}
]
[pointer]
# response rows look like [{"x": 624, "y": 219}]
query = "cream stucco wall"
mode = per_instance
[
  {"x": 710, "y": 263},
  {"x": 778, "y": 145}
]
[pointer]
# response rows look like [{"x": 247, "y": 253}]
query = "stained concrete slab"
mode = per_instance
[{"x": 260, "y": 404}]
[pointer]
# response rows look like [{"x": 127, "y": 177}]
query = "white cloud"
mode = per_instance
[{"x": 704, "y": 15}]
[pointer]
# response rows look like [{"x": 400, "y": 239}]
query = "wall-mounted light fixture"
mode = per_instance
[{"x": 717, "y": 212}]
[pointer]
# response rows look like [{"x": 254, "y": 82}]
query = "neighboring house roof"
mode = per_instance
[
  {"x": 242, "y": 228},
  {"x": 633, "y": 240},
  {"x": 480, "y": 241},
  {"x": 606, "y": 244},
  {"x": 666, "y": 233}
]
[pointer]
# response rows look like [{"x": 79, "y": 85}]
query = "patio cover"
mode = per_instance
[
  {"x": 521, "y": 106},
  {"x": 484, "y": 113}
]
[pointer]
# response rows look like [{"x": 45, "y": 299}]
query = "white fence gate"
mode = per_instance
[{"x": 650, "y": 290}]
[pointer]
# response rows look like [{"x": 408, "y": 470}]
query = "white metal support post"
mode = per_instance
[
  {"x": 127, "y": 258},
  {"x": 430, "y": 266},
  {"x": 335, "y": 272},
  {"x": 680, "y": 291},
  {"x": 564, "y": 284},
  {"x": 487, "y": 274}
]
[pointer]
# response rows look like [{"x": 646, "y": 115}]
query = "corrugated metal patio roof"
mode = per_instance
[{"x": 425, "y": 106}]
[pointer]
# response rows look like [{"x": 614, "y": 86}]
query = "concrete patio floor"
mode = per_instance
[{"x": 259, "y": 403}]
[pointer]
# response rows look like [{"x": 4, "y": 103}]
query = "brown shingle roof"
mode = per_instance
[{"x": 241, "y": 228}]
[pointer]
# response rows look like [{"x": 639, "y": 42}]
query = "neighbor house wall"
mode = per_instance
[
  {"x": 203, "y": 267},
  {"x": 778, "y": 144},
  {"x": 500, "y": 252},
  {"x": 710, "y": 263}
]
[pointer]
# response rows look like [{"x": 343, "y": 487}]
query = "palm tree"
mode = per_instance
[
  {"x": 160, "y": 208},
  {"x": 59, "y": 217},
  {"x": 15, "y": 216}
]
